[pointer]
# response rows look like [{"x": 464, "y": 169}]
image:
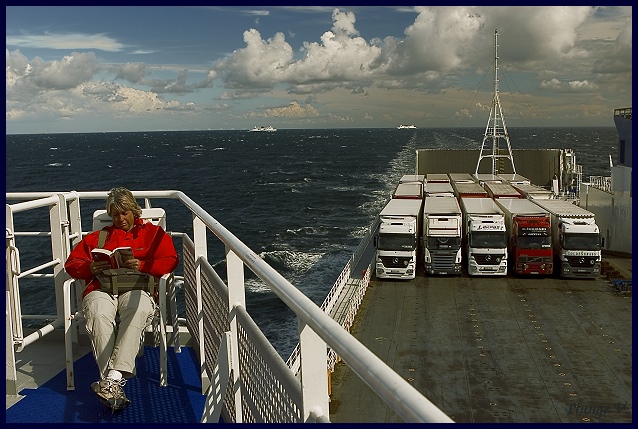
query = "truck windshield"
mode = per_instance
[
  {"x": 495, "y": 239},
  {"x": 534, "y": 241},
  {"x": 396, "y": 242},
  {"x": 444, "y": 242},
  {"x": 581, "y": 241}
]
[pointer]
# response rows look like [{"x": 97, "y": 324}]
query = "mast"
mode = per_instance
[{"x": 496, "y": 128}]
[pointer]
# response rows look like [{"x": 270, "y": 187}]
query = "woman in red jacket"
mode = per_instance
[{"x": 115, "y": 346}]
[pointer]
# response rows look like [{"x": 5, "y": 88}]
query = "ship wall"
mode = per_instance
[
  {"x": 540, "y": 166},
  {"x": 613, "y": 216}
]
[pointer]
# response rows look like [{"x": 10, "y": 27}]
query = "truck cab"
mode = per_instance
[
  {"x": 397, "y": 240},
  {"x": 580, "y": 244},
  {"x": 485, "y": 237},
  {"x": 442, "y": 232}
]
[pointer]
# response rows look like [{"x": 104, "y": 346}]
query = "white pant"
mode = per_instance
[{"x": 116, "y": 344}]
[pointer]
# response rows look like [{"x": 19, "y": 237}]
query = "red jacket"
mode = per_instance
[{"x": 150, "y": 244}]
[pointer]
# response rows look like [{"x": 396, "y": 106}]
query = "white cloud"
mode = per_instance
[
  {"x": 551, "y": 84},
  {"x": 293, "y": 110},
  {"x": 442, "y": 42},
  {"x": 67, "y": 73},
  {"x": 582, "y": 85},
  {"x": 72, "y": 41}
]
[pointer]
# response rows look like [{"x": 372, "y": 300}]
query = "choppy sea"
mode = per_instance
[{"x": 301, "y": 199}]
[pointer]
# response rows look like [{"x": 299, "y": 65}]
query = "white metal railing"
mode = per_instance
[
  {"x": 348, "y": 308},
  {"x": 317, "y": 330},
  {"x": 601, "y": 182}
]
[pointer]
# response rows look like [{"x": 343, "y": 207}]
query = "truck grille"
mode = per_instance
[
  {"x": 582, "y": 261},
  {"x": 535, "y": 259},
  {"x": 487, "y": 259},
  {"x": 443, "y": 262},
  {"x": 395, "y": 261}
]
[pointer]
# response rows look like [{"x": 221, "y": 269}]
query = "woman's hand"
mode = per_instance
[
  {"x": 98, "y": 267},
  {"x": 134, "y": 264}
]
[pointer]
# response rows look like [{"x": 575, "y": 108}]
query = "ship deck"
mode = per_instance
[
  {"x": 44, "y": 397},
  {"x": 508, "y": 349}
]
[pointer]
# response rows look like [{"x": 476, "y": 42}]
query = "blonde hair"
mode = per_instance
[{"x": 123, "y": 200}]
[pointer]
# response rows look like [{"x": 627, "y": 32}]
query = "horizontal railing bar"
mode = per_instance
[
  {"x": 42, "y": 332},
  {"x": 39, "y": 267}
]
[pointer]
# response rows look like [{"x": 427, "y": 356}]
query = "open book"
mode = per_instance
[{"x": 115, "y": 257}]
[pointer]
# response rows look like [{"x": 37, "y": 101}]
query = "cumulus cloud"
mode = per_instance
[
  {"x": 293, "y": 110},
  {"x": 441, "y": 43},
  {"x": 262, "y": 64},
  {"x": 582, "y": 85},
  {"x": 551, "y": 84},
  {"x": 67, "y": 73},
  {"x": 65, "y": 88},
  {"x": 572, "y": 86}
]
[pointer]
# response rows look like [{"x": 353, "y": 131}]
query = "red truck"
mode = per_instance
[{"x": 529, "y": 234}]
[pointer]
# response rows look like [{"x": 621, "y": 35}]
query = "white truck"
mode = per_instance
[
  {"x": 397, "y": 240},
  {"x": 442, "y": 221},
  {"x": 576, "y": 238},
  {"x": 484, "y": 237}
]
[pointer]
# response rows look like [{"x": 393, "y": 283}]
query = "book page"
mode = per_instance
[
  {"x": 122, "y": 254},
  {"x": 101, "y": 255}
]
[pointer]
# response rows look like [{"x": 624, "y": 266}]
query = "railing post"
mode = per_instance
[
  {"x": 201, "y": 253},
  {"x": 314, "y": 372},
  {"x": 59, "y": 249},
  {"x": 236, "y": 296},
  {"x": 75, "y": 236},
  {"x": 12, "y": 376},
  {"x": 13, "y": 286},
  {"x": 75, "y": 221}
]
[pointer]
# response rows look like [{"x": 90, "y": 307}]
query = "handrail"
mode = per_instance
[{"x": 403, "y": 398}]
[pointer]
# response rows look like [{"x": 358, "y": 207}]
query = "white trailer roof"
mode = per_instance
[
  {"x": 409, "y": 190},
  {"x": 412, "y": 178},
  {"x": 515, "y": 178},
  {"x": 563, "y": 208},
  {"x": 461, "y": 177},
  {"x": 472, "y": 205},
  {"x": 438, "y": 188},
  {"x": 518, "y": 206},
  {"x": 441, "y": 205},
  {"x": 437, "y": 177},
  {"x": 402, "y": 207}
]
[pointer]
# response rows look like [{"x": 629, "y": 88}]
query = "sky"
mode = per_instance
[{"x": 158, "y": 68}]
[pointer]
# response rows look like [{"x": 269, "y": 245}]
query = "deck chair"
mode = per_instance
[{"x": 167, "y": 303}]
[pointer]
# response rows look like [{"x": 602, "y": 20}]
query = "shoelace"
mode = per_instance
[{"x": 115, "y": 386}]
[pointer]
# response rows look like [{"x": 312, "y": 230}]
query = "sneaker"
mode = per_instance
[{"x": 110, "y": 393}]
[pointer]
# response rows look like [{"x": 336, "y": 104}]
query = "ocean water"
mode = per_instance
[{"x": 301, "y": 199}]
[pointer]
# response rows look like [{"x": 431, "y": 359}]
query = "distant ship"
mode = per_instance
[
  {"x": 269, "y": 128},
  {"x": 406, "y": 127}
]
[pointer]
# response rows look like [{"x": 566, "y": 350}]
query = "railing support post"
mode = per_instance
[
  {"x": 236, "y": 296},
  {"x": 201, "y": 253},
  {"x": 12, "y": 376},
  {"x": 314, "y": 373}
]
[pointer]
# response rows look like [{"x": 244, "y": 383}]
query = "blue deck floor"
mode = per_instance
[{"x": 179, "y": 402}]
